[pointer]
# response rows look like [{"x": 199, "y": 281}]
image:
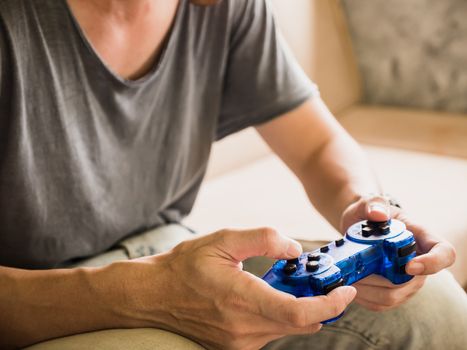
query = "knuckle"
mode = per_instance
[
  {"x": 268, "y": 232},
  {"x": 236, "y": 332},
  {"x": 337, "y": 306},
  {"x": 451, "y": 251},
  {"x": 418, "y": 283},
  {"x": 221, "y": 232},
  {"x": 421, "y": 282},
  {"x": 232, "y": 333},
  {"x": 392, "y": 297},
  {"x": 297, "y": 318},
  {"x": 181, "y": 248},
  {"x": 224, "y": 233},
  {"x": 268, "y": 236},
  {"x": 436, "y": 262},
  {"x": 314, "y": 328}
]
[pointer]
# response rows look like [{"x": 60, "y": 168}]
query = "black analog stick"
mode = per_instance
[
  {"x": 312, "y": 266},
  {"x": 290, "y": 269},
  {"x": 314, "y": 257}
]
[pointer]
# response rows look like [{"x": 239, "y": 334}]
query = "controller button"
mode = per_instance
[
  {"x": 313, "y": 257},
  {"x": 376, "y": 224},
  {"x": 290, "y": 269},
  {"x": 293, "y": 261},
  {"x": 324, "y": 249},
  {"x": 340, "y": 242},
  {"x": 312, "y": 266},
  {"x": 401, "y": 269},
  {"x": 367, "y": 231},
  {"x": 408, "y": 249},
  {"x": 384, "y": 230},
  {"x": 334, "y": 285}
]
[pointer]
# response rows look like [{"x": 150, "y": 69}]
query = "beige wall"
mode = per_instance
[{"x": 322, "y": 46}]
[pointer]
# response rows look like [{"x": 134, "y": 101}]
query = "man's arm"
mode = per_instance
[
  {"x": 329, "y": 163},
  {"x": 197, "y": 290},
  {"x": 39, "y": 305},
  {"x": 338, "y": 179}
]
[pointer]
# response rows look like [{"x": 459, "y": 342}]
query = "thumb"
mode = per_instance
[
  {"x": 325, "y": 307},
  {"x": 243, "y": 244},
  {"x": 377, "y": 209}
]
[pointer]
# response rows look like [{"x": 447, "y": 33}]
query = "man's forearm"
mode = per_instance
[
  {"x": 344, "y": 176},
  {"x": 330, "y": 164},
  {"x": 40, "y": 305}
]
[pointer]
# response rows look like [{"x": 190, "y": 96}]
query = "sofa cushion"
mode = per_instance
[
  {"x": 414, "y": 54},
  {"x": 428, "y": 131},
  {"x": 266, "y": 193}
]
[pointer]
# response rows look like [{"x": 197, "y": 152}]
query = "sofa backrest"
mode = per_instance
[{"x": 317, "y": 34}]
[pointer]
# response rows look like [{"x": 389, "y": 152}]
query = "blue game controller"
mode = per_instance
[{"x": 383, "y": 248}]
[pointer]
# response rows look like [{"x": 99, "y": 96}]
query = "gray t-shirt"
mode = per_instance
[{"x": 88, "y": 158}]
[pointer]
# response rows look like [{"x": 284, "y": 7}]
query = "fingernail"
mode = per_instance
[
  {"x": 379, "y": 207},
  {"x": 350, "y": 293},
  {"x": 416, "y": 268},
  {"x": 295, "y": 249}
]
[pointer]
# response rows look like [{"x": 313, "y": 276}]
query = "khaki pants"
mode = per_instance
[{"x": 435, "y": 318}]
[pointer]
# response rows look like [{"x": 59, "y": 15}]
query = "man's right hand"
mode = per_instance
[{"x": 199, "y": 290}]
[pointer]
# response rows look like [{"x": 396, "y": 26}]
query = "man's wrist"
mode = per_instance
[{"x": 132, "y": 292}]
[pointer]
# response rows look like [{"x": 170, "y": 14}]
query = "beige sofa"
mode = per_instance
[{"x": 420, "y": 156}]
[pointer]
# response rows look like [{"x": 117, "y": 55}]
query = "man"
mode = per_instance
[{"x": 108, "y": 112}]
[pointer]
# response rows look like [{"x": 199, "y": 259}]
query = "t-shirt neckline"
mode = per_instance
[{"x": 156, "y": 67}]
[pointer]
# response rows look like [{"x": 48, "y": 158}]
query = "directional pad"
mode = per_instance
[
  {"x": 375, "y": 228},
  {"x": 366, "y": 231}
]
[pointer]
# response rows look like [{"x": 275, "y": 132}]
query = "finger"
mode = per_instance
[
  {"x": 289, "y": 310},
  {"x": 379, "y": 306},
  {"x": 312, "y": 310},
  {"x": 240, "y": 245},
  {"x": 377, "y": 209},
  {"x": 425, "y": 240},
  {"x": 389, "y": 296},
  {"x": 378, "y": 281},
  {"x": 441, "y": 255},
  {"x": 372, "y": 306}
]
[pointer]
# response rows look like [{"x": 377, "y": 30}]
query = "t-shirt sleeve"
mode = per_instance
[{"x": 262, "y": 79}]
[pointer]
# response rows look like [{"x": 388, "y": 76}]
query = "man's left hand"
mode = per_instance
[{"x": 433, "y": 254}]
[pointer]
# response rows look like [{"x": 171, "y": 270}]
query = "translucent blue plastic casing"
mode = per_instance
[{"x": 355, "y": 258}]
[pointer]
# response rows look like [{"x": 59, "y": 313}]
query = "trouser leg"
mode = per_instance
[
  {"x": 121, "y": 339},
  {"x": 435, "y": 318}
]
